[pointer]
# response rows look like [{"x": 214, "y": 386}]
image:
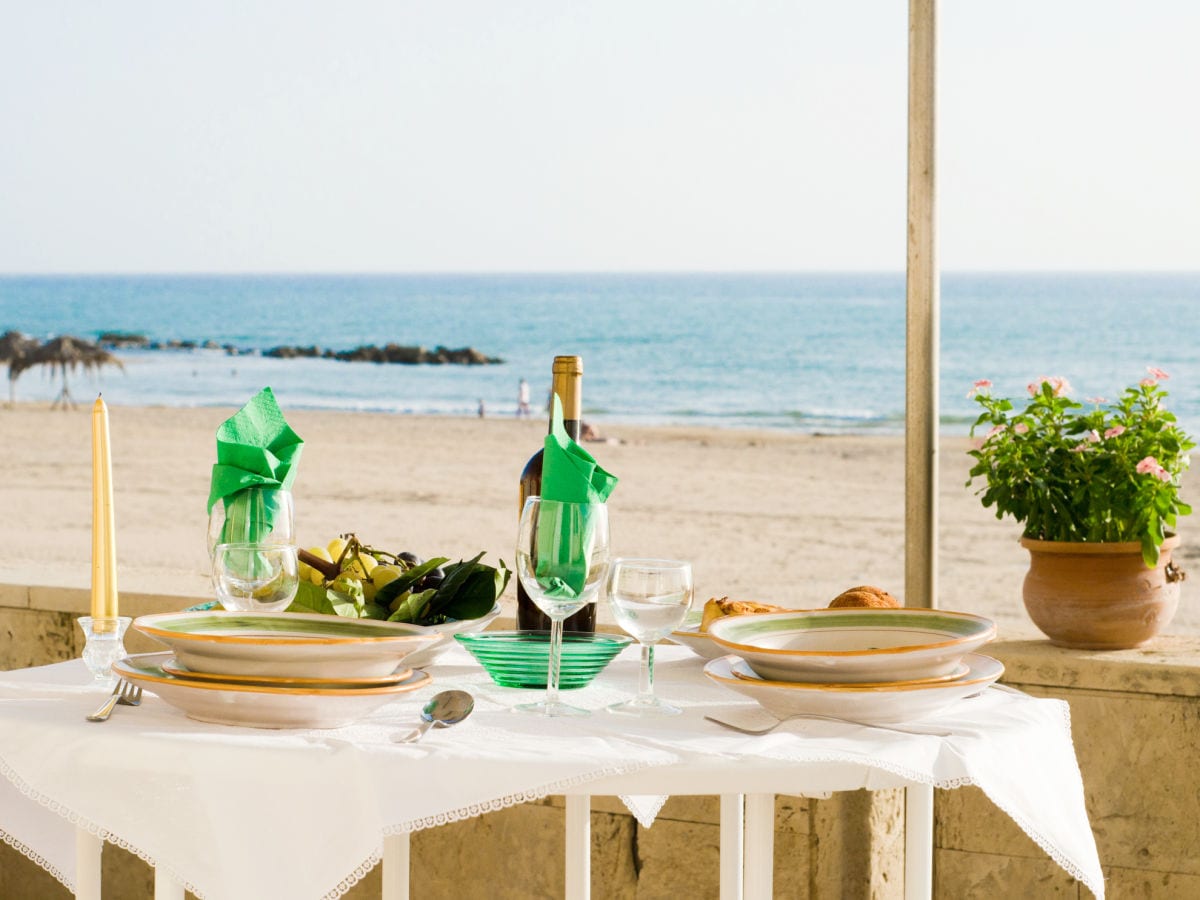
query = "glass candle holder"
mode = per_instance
[{"x": 105, "y": 645}]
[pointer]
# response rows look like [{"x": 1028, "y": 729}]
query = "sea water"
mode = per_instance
[{"x": 804, "y": 352}]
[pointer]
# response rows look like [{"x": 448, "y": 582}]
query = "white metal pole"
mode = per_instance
[
  {"x": 733, "y": 825},
  {"x": 759, "y": 848},
  {"x": 918, "y": 842},
  {"x": 396, "y": 863},
  {"x": 579, "y": 847},
  {"x": 88, "y": 848},
  {"x": 166, "y": 887},
  {"x": 923, "y": 298}
]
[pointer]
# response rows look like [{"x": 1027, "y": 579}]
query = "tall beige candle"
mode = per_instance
[{"x": 104, "y": 545}]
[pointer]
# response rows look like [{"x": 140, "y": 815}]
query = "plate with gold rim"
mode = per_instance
[
  {"x": 172, "y": 666},
  {"x": 872, "y": 704},
  {"x": 262, "y": 706},
  {"x": 286, "y": 645}
]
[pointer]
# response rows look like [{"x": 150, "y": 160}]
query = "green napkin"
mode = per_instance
[
  {"x": 256, "y": 448},
  {"x": 570, "y": 475}
]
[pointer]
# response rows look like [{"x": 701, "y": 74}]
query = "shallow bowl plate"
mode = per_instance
[
  {"x": 172, "y": 667},
  {"x": 873, "y": 704},
  {"x": 286, "y": 645},
  {"x": 447, "y": 631},
  {"x": 699, "y": 642},
  {"x": 853, "y": 645},
  {"x": 259, "y": 706}
]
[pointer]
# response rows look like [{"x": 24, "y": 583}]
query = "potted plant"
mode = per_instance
[{"x": 1096, "y": 488}]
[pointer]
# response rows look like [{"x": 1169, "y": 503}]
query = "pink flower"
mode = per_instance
[
  {"x": 981, "y": 385},
  {"x": 1096, "y": 400},
  {"x": 1148, "y": 382},
  {"x": 1058, "y": 385},
  {"x": 1021, "y": 428},
  {"x": 1157, "y": 374},
  {"x": 1093, "y": 437},
  {"x": 1150, "y": 466},
  {"x": 992, "y": 432},
  {"x": 1081, "y": 447},
  {"x": 1115, "y": 431}
]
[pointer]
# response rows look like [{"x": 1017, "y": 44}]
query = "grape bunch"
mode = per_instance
[
  {"x": 348, "y": 578},
  {"x": 363, "y": 567}
]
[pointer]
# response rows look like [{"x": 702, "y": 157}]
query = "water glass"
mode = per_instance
[
  {"x": 649, "y": 598},
  {"x": 255, "y": 577},
  {"x": 562, "y": 557},
  {"x": 254, "y": 515}
]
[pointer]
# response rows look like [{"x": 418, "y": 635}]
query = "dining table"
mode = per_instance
[{"x": 232, "y": 813}]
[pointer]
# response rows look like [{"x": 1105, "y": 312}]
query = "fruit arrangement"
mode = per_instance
[{"x": 349, "y": 578}]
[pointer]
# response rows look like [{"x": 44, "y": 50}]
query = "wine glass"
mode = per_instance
[
  {"x": 255, "y": 577},
  {"x": 649, "y": 598},
  {"x": 562, "y": 556}
]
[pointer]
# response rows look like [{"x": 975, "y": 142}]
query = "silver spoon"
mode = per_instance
[{"x": 443, "y": 709}]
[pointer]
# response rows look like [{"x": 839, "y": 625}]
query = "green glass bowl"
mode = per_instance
[{"x": 520, "y": 659}]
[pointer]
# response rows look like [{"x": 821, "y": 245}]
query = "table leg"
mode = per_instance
[
  {"x": 87, "y": 864},
  {"x": 166, "y": 887},
  {"x": 759, "y": 848},
  {"x": 396, "y": 862},
  {"x": 579, "y": 847},
  {"x": 732, "y": 837},
  {"x": 918, "y": 842}
]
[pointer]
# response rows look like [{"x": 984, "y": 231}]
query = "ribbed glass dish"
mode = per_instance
[{"x": 520, "y": 659}]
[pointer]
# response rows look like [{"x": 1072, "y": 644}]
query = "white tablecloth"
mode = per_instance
[{"x": 246, "y": 813}]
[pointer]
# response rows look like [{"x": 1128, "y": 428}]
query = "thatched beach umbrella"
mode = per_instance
[
  {"x": 63, "y": 353},
  {"x": 15, "y": 346}
]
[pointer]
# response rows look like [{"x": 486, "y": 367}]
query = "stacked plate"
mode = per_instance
[
  {"x": 277, "y": 670},
  {"x": 869, "y": 665}
]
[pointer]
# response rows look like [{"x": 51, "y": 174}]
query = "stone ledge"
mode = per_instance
[{"x": 1167, "y": 666}]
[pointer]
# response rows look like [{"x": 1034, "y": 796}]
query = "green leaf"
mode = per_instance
[
  {"x": 393, "y": 589},
  {"x": 314, "y": 598},
  {"x": 410, "y": 607}
]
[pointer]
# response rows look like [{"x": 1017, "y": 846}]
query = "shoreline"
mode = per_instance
[{"x": 767, "y": 515}]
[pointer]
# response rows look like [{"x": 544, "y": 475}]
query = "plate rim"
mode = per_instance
[
  {"x": 179, "y": 670},
  {"x": 416, "y": 679},
  {"x": 146, "y": 625},
  {"x": 987, "y": 634},
  {"x": 841, "y": 688}
]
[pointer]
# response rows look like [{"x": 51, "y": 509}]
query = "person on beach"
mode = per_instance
[
  {"x": 523, "y": 410},
  {"x": 482, "y": 408}
]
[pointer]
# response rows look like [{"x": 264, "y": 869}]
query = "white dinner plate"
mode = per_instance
[
  {"x": 261, "y": 706},
  {"x": 172, "y": 666},
  {"x": 853, "y": 645},
  {"x": 881, "y": 704},
  {"x": 286, "y": 645}
]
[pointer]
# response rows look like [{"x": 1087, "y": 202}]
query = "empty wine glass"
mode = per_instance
[
  {"x": 649, "y": 598},
  {"x": 255, "y": 577},
  {"x": 562, "y": 556}
]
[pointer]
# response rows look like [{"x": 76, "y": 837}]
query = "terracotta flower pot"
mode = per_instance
[{"x": 1100, "y": 596}]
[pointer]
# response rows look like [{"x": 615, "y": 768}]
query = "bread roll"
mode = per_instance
[{"x": 865, "y": 595}]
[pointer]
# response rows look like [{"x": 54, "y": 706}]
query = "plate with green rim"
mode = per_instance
[
  {"x": 853, "y": 645},
  {"x": 261, "y": 706},
  {"x": 286, "y": 645}
]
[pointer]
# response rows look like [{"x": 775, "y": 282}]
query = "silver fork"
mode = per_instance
[
  {"x": 125, "y": 693},
  {"x": 763, "y": 729}
]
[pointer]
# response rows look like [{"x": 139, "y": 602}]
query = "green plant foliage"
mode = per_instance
[{"x": 1104, "y": 472}]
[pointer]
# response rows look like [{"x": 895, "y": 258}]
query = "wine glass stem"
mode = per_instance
[
  {"x": 646, "y": 677},
  {"x": 556, "y": 630}
]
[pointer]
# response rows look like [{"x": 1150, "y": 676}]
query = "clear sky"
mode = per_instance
[{"x": 498, "y": 135}]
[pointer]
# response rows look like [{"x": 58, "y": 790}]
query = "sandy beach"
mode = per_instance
[{"x": 781, "y": 518}]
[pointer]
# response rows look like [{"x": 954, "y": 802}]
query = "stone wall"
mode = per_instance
[{"x": 1136, "y": 721}]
